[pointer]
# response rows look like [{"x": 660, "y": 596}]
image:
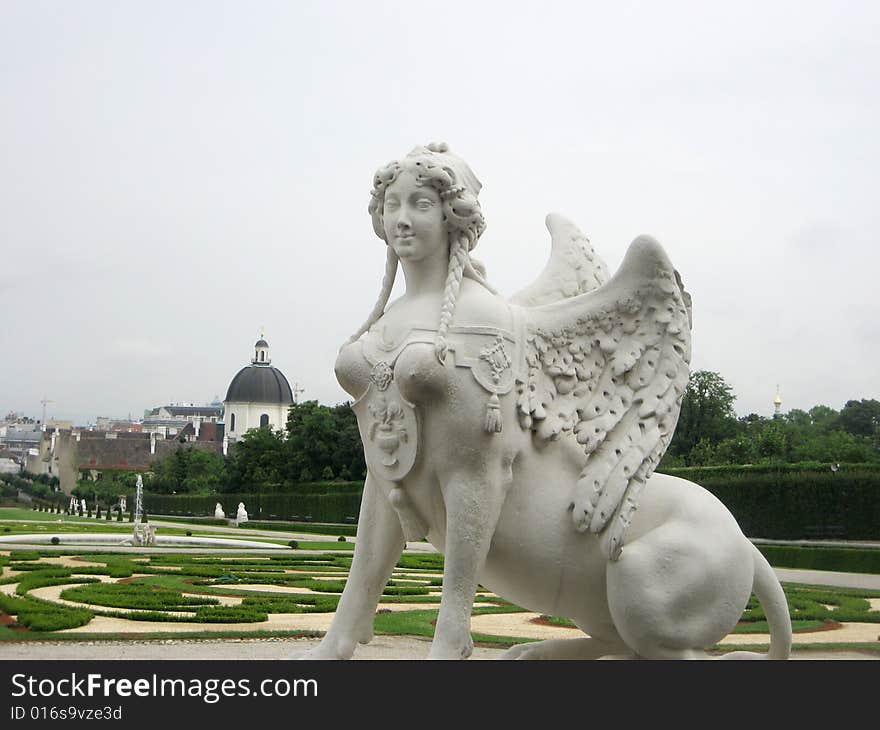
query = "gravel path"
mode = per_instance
[{"x": 381, "y": 648}]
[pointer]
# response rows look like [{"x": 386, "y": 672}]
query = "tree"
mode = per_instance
[
  {"x": 257, "y": 462},
  {"x": 772, "y": 442},
  {"x": 349, "y": 460},
  {"x": 321, "y": 438},
  {"x": 861, "y": 417},
  {"x": 706, "y": 413},
  {"x": 823, "y": 418},
  {"x": 188, "y": 470},
  {"x": 736, "y": 450}
]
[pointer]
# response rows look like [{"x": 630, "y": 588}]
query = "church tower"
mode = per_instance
[
  {"x": 261, "y": 352},
  {"x": 258, "y": 396},
  {"x": 777, "y": 404}
]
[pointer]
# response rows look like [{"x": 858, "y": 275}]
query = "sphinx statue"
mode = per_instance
[{"x": 520, "y": 436}]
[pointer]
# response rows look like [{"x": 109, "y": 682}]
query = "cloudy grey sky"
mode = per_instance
[{"x": 176, "y": 175}]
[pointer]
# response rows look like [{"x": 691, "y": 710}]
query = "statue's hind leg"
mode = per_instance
[
  {"x": 576, "y": 649},
  {"x": 680, "y": 588}
]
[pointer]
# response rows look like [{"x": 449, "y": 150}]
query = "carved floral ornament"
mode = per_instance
[
  {"x": 497, "y": 358},
  {"x": 387, "y": 429},
  {"x": 381, "y": 375}
]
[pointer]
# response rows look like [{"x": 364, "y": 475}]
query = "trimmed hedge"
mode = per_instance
[
  {"x": 775, "y": 501},
  {"x": 699, "y": 473},
  {"x": 209, "y": 521},
  {"x": 332, "y": 506},
  {"x": 847, "y": 560},
  {"x": 40, "y": 615},
  {"x": 310, "y": 527},
  {"x": 793, "y": 502},
  {"x": 136, "y": 596}
]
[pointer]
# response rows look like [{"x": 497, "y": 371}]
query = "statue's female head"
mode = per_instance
[
  {"x": 450, "y": 177},
  {"x": 458, "y": 189}
]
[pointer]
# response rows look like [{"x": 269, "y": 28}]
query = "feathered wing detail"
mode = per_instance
[
  {"x": 574, "y": 267},
  {"x": 611, "y": 365}
]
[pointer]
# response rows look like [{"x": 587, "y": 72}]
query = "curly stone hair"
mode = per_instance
[{"x": 458, "y": 188}]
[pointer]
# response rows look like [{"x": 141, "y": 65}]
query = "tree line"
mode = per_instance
[
  {"x": 322, "y": 443},
  {"x": 709, "y": 433},
  {"x": 318, "y": 443}
]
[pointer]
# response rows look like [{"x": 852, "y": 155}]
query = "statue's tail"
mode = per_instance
[{"x": 767, "y": 588}]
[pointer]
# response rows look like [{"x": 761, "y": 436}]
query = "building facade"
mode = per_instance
[{"x": 258, "y": 396}]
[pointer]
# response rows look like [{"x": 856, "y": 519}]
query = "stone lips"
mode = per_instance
[{"x": 259, "y": 384}]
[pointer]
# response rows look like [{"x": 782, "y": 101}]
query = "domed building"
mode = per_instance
[{"x": 259, "y": 395}]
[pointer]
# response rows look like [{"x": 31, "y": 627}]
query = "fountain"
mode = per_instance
[{"x": 144, "y": 534}]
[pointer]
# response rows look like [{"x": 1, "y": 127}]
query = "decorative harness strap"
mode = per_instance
[
  {"x": 389, "y": 421},
  {"x": 389, "y": 424}
]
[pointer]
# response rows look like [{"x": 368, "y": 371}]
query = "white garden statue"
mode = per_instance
[
  {"x": 241, "y": 515},
  {"x": 519, "y": 436},
  {"x": 218, "y": 511}
]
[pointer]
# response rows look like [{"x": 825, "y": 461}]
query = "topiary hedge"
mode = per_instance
[
  {"x": 135, "y": 596},
  {"x": 334, "y": 505},
  {"x": 847, "y": 560},
  {"x": 793, "y": 502},
  {"x": 40, "y": 615},
  {"x": 310, "y": 527}
]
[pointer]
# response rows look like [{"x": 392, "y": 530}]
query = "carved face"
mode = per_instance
[{"x": 413, "y": 216}]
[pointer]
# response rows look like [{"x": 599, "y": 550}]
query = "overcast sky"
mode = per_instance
[{"x": 175, "y": 176}]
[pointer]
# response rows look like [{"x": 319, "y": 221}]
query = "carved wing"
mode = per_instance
[
  {"x": 611, "y": 365},
  {"x": 574, "y": 266}
]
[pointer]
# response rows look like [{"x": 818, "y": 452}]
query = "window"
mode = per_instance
[
  {"x": 232, "y": 423},
  {"x": 264, "y": 420}
]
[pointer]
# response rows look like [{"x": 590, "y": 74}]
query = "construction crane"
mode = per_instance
[{"x": 44, "y": 402}]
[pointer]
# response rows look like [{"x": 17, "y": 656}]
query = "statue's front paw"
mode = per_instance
[
  {"x": 530, "y": 650},
  {"x": 328, "y": 649},
  {"x": 452, "y": 650}
]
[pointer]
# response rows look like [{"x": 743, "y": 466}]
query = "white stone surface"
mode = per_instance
[
  {"x": 241, "y": 515},
  {"x": 468, "y": 405}
]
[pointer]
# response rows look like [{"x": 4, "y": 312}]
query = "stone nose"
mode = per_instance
[{"x": 403, "y": 222}]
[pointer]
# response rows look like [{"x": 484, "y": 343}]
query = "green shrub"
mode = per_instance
[
  {"x": 331, "y": 502},
  {"x": 198, "y": 520},
  {"x": 122, "y": 567},
  {"x": 791, "y": 502},
  {"x": 24, "y": 555},
  {"x": 311, "y": 528},
  {"x": 229, "y": 614},
  {"x": 847, "y": 560},
  {"x": 136, "y": 596},
  {"x": 40, "y": 615}
]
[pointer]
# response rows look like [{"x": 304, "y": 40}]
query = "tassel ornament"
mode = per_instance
[{"x": 493, "y": 414}]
